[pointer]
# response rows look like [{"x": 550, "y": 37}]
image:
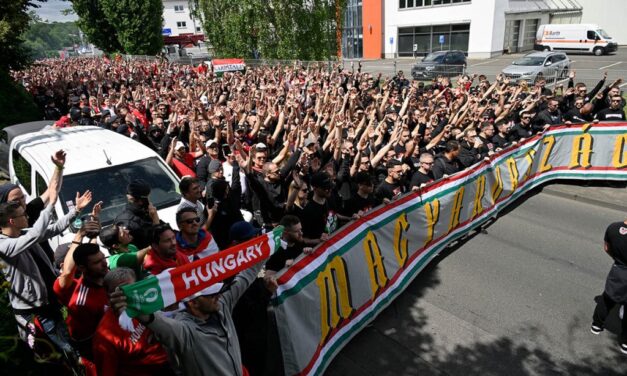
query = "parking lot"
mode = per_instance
[{"x": 589, "y": 68}]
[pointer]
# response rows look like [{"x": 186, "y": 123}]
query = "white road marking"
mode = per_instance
[
  {"x": 485, "y": 62},
  {"x": 611, "y": 65}
]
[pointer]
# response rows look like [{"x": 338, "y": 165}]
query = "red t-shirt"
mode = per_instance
[
  {"x": 122, "y": 353},
  {"x": 155, "y": 264},
  {"x": 85, "y": 306}
]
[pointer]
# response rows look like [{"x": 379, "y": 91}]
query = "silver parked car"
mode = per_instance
[{"x": 553, "y": 66}]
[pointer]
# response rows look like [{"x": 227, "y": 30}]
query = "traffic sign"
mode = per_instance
[{"x": 441, "y": 39}]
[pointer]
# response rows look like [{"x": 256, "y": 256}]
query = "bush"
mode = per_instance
[{"x": 16, "y": 104}]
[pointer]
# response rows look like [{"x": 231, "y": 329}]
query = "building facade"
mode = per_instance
[
  {"x": 609, "y": 17},
  {"x": 179, "y": 27},
  {"x": 481, "y": 28}
]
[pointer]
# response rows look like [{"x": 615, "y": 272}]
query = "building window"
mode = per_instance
[
  {"x": 427, "y": 39},
  {"x": 198, "y": 30},
  {"x": 179, "y": 8},
  {"x": 406, "y": 4},
  {"x": 352, "y": 37},
  {"x": 181, "y": 24}
]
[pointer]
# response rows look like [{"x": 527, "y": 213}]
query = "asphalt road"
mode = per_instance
[
  {"x": 589, "y": 68},
  {"x": 516, "y": 300}
]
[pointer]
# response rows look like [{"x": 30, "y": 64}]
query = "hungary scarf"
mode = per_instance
[{"x": 172, "y": 285}]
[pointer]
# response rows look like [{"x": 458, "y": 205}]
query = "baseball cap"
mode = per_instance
[
  {"x": 216, "y": 288},
  {"x": 242, "y": 230},
  {"x": 310, "y": 140},
  {"x": 138, "y": 188},
  {"x": 179, "y": 145},
  {"x": 261, "y": 146},
  {"x": 209, "y": 143},
  {"x": 214, "y": 166}
]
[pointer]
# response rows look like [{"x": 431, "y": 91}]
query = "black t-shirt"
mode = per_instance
[
  {"x": 277, "y": 261},
  {"x": 609, "y": 114},
  {"x": 314, "y": 219},
  {"x": 389, "y": 191},
  {"x": 357, "y": 203},
  {"x": 419, "y": 178},
  {"x": 443, "y": 166},
  {"x": 616, "y": 239}
]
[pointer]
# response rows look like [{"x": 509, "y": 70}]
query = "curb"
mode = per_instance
[{"x": 577, "y": 197}]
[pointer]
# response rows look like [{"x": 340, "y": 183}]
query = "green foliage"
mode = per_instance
[
  {"x": 96, "y": 26},
  {"x": 278, "y": 29},
  {"x": 14, "y": 19},
  {"x": 128, "y": 26},
  {"x": 16, "y": 105},
  {"x": 46, "y": 39},
  {"x": 138, "y": 24}
]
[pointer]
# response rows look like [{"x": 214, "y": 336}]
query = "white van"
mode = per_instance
[
  {"x": 574, "y": 38},
  {"x": 97, "y": 159}
]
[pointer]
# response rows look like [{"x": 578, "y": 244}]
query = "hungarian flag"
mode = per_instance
[
  {"x": 170, "y": 286},
  {"x": 227, "y": 65}
]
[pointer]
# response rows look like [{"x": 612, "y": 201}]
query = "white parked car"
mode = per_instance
[
  {"x": 97, "y": 159},
  {"x": 553, "y": 66}
]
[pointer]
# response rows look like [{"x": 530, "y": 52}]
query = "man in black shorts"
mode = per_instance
[{"x": 616, "y": 283}]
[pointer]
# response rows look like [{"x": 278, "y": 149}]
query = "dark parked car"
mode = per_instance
[{"x": 443, "y": 63}]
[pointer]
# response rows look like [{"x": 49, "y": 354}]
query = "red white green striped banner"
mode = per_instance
[{"x": 326, "y": 298}]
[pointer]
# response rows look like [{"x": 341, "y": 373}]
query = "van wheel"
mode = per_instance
[
  {"x": 598, "y": 51},
  {"x": 546, "y": 49}
]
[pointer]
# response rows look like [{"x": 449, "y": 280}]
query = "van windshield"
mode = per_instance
[
  {"x": 603, "y": 34},
  {"x": 529, "y": 61},
  {"x": 109, "y": 186}
]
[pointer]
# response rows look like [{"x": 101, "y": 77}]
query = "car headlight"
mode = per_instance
[{"x": 430, "y": 68}]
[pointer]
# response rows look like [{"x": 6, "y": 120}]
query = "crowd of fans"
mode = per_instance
[{"x": 308, "y": 148}]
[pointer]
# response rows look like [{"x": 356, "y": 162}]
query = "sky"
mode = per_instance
[{"x": 51, "y": 11}]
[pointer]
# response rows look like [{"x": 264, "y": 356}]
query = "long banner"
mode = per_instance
[{"x": 326, "y": 298}]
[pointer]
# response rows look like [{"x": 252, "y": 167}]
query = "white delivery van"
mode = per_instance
[
  {"x": 97, "y": 159},
  {"x": 574, "y": 38}
]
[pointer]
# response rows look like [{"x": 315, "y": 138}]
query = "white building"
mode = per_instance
[
  {"x": 483, "y": 28},
  {"x": 608, "y": 15},
  {"x": 177, "y": 20}
]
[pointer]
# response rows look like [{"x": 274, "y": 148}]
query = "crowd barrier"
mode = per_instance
[{"x": 326, "y": 298}]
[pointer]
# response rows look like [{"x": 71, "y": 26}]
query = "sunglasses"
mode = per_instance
[{"x": 192, "y": 220}]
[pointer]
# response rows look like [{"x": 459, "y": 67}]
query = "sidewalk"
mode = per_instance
[{"x": 609, "y": 194}]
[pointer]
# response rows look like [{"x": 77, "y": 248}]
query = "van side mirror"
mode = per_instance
[{"x": 548, "y": 63}]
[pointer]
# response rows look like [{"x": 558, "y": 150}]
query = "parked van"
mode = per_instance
[
  {"x": 97, "y": 159},
  {"x": 574, "y": 37}
]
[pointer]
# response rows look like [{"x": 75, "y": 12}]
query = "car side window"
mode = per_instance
[
  {"x": 591, "y": 35},
  {"x": 40, "y": 184},
  {"x": 23, "y": 171}
]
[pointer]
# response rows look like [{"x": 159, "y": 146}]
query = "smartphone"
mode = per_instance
[{"x": 226, "y": 149}]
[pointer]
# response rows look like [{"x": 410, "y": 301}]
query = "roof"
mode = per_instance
[
  {"x": 550, "y": 6},
  {"x": 19, "y": 129},
  {"x": 87, "y": 148},
  {"x": 543, "y": 53}
]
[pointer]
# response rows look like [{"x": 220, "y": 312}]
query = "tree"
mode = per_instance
[
  {"x": 138, "y": 24},
  {"x": 96, "y": 26},
  {"x": 129, "y": 26},
  {"x": 280, "y": 29},
  {"x": 14, "y": 19}
]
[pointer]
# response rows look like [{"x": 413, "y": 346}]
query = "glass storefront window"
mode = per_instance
[{"x": 427, "y": 39}]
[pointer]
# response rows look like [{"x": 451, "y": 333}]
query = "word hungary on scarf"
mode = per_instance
[{"x": 172, "y": 285}]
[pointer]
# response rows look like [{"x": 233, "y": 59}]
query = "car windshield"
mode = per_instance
[
  {"x": 529, "y": 61},
  {"x": 603, "y": 34},
  {"x": 436, "y": 57},
  {"x": 109, "y": 186}
]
